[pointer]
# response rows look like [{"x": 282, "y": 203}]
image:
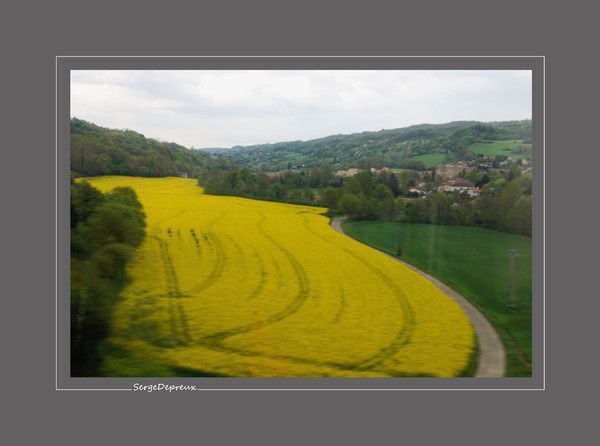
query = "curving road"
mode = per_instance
[{"x": 492, "y": 357}]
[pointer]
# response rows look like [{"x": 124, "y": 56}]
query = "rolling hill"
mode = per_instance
[
  {"x": 392, "y": 148},
  {"x": 100, "y": 151}
]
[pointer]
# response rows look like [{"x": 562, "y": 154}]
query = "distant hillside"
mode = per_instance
[
  {"x": 392, "y": 148},
  {"x": 101, "y": 151}
]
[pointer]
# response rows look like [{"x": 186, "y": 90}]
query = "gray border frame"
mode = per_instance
[{"x": 63, "y": 65}]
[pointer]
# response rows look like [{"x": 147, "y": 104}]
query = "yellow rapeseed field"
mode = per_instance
[{"x": 239, "y": 287}]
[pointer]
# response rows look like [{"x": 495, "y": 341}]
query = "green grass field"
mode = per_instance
[
  {"x": 431, "y": 160},
  {"x": 494, "y": 148},
  {"x": 473, "y": 261}
]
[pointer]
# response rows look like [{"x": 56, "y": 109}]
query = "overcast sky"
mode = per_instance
[{"x": 227, "y": 108}]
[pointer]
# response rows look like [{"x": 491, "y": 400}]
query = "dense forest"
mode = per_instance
[
  {"x": 105, "y": 229},
  {"x": 391, "y": 148},
  {"x": 100, "y": 151},
  {"x": 225, "y": 177}
]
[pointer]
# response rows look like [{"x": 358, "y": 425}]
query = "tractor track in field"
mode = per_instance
[
  {"x": 218, "y": 346},
  {"x": 492, "y": 355},
  {"x": 293, "y": 307},
  {"x": 403, "y": 335},
  {"x": 338, "y": 315},
  {"x": 263, "y": 277},
  {"x": 240, "y": 257},
  {"x": 217, "y": 270},
  {"x": 215, "y": 341},
  {"x": 178, "y": 322}
]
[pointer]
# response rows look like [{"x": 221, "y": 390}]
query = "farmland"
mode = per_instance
[
  {"x": 228, "y": 286},
  {"x": 486, "y": 148},
  {"x": 508, "y": 148},
  {"x": 431, "y": 160},
  {"x": 474, "y": 262}
]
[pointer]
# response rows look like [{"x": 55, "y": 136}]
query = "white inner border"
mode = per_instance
[{"x": 305, "y": 57}]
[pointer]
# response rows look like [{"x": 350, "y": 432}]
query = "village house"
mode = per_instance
[
  {"x": 419, "y": 189},
  {"x": 460, "y": 186},
  {"x": 378, "y": 171},
  {"x": 419, "y": 192},
  {"x": 347, "y": 173},
  {"x": 452, "y": 170},
  {"x": 473, "y": 192}
]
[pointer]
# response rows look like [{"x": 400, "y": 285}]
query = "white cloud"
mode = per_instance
[{"x": 226, "y": 108}]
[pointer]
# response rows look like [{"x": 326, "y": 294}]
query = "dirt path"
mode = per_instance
[{"x": 492, "y": 358}]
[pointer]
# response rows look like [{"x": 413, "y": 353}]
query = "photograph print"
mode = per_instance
[{"x": 301, "y": 223}]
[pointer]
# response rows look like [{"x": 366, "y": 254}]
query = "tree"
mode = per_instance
[
  {"x": 330, "y": 197},
  {"x": 400, "y": 203},
  {"x": 277, "y": 191},
  {"x": 485, "y": 179},
  {"x": 393, "y": 184},
  {"x": 407, "y": 179},
  {"x": 361, "y": 182},
  {"x": 417, "y": 211},
  {"x": 521, "y": 216},
  {"x": 386, "y": 209},
  {"x": 487, "y": 210},
  {"x": 349, "y": 205},
  {"x": 508, "y": 197},
  {"x": 513, "y": 172},
  {"x": 115, "y": 222},
  {"x": 382, "y": 192},
  {"x": 308, "y": 194},
  {"x": 84, "y": 200},
  {"x": 105, "y": 229},
  {"x": 441, "y": 209},
  {"x": 124, "y": 195},
  {"x": 412, "y": 164}
]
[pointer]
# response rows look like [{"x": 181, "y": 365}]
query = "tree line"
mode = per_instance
[
  {"x": 504, "y": 203},
  {"x": 225, "y": 177},
  {"x": 105, "y": 229}
]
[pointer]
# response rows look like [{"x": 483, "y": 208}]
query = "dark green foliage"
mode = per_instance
[
  {"x": 485, "y": 179},
  {"x": 225, "y": 177},
  {"x": 84, "y": 199},
  {"x": 382, "y": 192},
  {"x": 386, "y": 209},
  {"x": 406, "y": 180},
  {"x": 330, "y": 197},
  {"x": 411, "y": 164},
  {"x": 105, "y": 229},
  {"x": 504, "y": 204},
  {"x": 115, "y": 222},
  {"x": 361, "y": 183},
  {"x": 350, "y": 205},
  {"x": 505, "y": 207},
  {"x": 101, "y": 151}
]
